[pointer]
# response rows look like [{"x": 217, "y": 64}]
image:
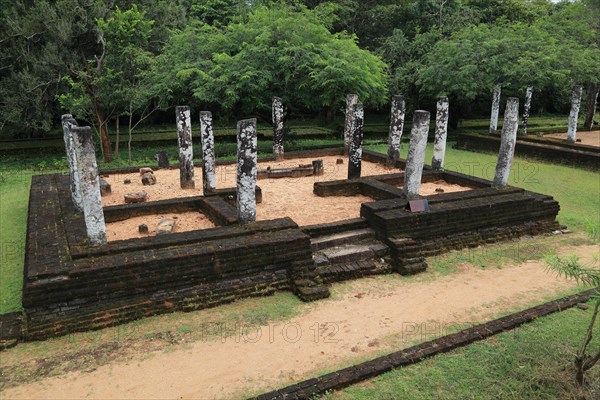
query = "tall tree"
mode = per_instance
[{"x": 278, "y": 51}]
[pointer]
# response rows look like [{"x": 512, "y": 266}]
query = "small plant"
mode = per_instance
[{"x": 571, "y": 268}]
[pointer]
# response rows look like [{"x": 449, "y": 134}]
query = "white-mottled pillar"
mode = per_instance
[
  {"x": 89, "y": 184},
  {"x": 395, "y": 132},
  {"x": 355, "y": 152},
  {"x": 351, "y": 100},
  {"x": 526, "y": 108},
  {"x": 574, "y": 114},
  {"x": 441, "y": 133},
  {"x": 209, "y": 179},
  {"x": 246, "y": 171},
  {"x": 186, "y": 153},
  {"x": 495, "y": 110},
  {"x": 68, "y": 123},
  {"x": 277, "y": 115},
  {"x": 416, "y": 154},
  {"x": 508, "y": 140}
]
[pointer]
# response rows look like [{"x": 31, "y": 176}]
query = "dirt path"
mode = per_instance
[{"x": 367, "y": 317}]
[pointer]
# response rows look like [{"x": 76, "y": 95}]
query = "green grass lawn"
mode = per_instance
[{"x": 531, "y": 362}]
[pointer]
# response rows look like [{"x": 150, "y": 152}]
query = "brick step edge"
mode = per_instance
[{"x": 349, "y": 376}]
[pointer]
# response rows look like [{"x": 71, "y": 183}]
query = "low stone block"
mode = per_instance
[
  {"x": 148, "y": 179},
  {"x": 163, "y": 159},
  {"x": 136, "y": 197},
  {"x": 166, "y": 225},
  {"x": 105, "y": 188}
]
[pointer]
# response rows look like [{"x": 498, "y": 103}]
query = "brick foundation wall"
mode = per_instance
[
  {"x": 587, "y": 157},
  {"x": 70, "y": 286}
]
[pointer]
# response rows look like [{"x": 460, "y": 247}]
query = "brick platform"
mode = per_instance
[{"x": 70, "y": 286}]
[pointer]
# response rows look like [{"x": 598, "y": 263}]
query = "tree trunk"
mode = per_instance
[
  {"x": 130, "y": 134},
  {"x": 117, "y": 139},
  {"x": 105, "y": 140},
  {"x": 592, "y": 97}
]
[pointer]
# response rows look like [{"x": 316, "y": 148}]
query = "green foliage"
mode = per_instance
[
  {"x": 274, "y": 52},
  {"x": 550, "y": 53}
]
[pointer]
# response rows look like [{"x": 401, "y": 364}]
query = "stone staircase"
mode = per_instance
[{"x": 349, "y": 254}]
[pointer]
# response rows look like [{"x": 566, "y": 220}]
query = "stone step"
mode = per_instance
[
  {"x": 338, "y": 239},
  {"x": 349, "y": 253}
]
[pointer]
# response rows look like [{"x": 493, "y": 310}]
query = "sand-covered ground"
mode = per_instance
[
  {"x": 291, "y": 197},
  {"x": 588, "y": 138},
  {"x": 184, "y": 221}
]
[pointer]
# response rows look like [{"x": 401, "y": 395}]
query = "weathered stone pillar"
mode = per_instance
[
  {"x": 441, "y": 133},
  {"x": 574, "y": 114},
  {"x": 318, "y": 168},
  {"x": 351, "y": 100},
  {"x": 355, "y": 151},
  {"x": 507, "y": 142},
  {"x": 495, "y": 109},
  {"x": 209, "y": 179},
  {"x": 526, "y": 108},
  {"x": 277, "y": 115},
  {"x": 246, "y": 171},
  {"x": 395, "y": 132},
  {"x": 186, "y": 153},
  {"x": 68, "y": 123},
  {"x": 416, "y": 154},
  {"x": 89, "y": 184}
]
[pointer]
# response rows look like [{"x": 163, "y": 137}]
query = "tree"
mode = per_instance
[
  {"x": 551, "y": 54},
  {"x": 40, "y": 40},
  {"x": 279, "y": 51},
  {"x": 128, "y": 59},
  {"x": 571, "y": 268}
]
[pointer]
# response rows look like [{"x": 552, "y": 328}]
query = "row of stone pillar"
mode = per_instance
[
  {"x": 353, "y": 134},
  {"x": 246, "y": 156},
  {"x": 415, "y": 159},
  {"x": 522, "y": 132}
]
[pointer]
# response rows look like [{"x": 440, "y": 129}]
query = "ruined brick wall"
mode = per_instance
[
  {"x": 70, "y": 287},
  {"x": 576, "y": 155}
]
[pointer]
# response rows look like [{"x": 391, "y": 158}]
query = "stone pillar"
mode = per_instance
[
  {"x": 186, "y": 153},
  {"x": 507, "y": 142},
  {"x": 495, "y": 110},
  {"x": 395, "y": 132},
  {"x": 163, "y": 159},
  {"x": 355, "y": 151},
  {"x": 441, "y": 133},
  {"x": 209, "y": 179},
  {"x": 89, "y": 184},
  {"x": 575, "y": 103},
  {"x": 277, "y": 115},
  {"x": 416, "y": 154},
  {"x": 318, "y": 168},
  {"x": 246, "y": 171},
  {"x": 526, "y": 108},
  {"x": 351, "y": 100},
  {"x": 68, "y": 123}
]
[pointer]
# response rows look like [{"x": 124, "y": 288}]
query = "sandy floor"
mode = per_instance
[
  {"x": 127, "y": 229},
  {"x": 367, "y": 317},
  {"x": 428, "y": 188},
  {"x": 291, "y": 197},
  {"x": 589, "y": 138}
]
